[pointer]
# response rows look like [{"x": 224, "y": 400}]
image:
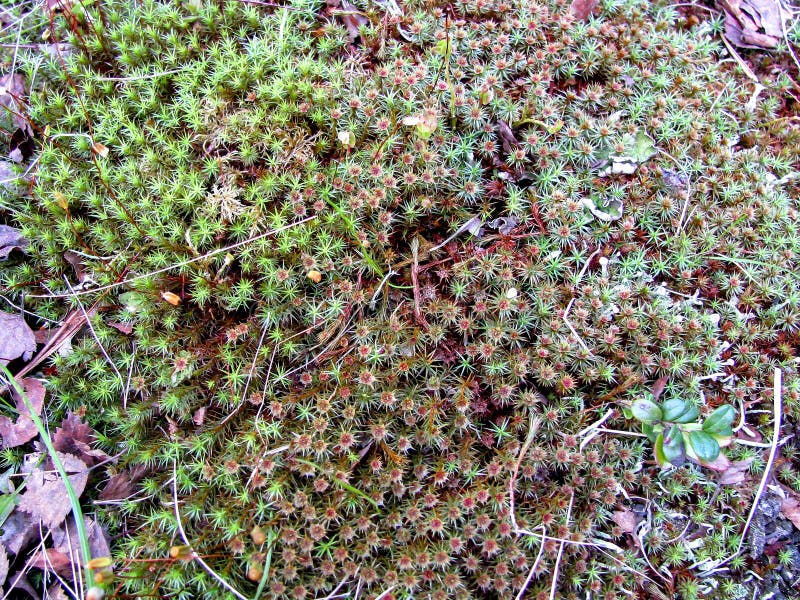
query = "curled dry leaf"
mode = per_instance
[
  {"x": 626, "y": 519},
  {"x": 18, "y": 531},
  {"x": 16, "y": 338},
  {"x": 45, "y": 497},
  {"x": 23, "y": 430},
  {"x": 730, "y": 472},
  {"x": 54, "y": 561},
  {"x": 76, "y": 437},
  {"x": 3, "y": 566},
  {"x": 755, "y": 24},
  {"x": 12, "y": 94},
  {"x": 66, "y": 535},
  {"x": 11, "y": 239},
  {"x": 790, "y": 508}
]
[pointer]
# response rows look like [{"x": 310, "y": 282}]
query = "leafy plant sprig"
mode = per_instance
[{"x": 677, "y": 433}]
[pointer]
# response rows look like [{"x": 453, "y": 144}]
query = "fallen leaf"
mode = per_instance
[
  {"x": 66, "y": 536},
  {"x": 626, "y": 520},
  {"x": 20, "y": 582},
  {"x": 23, "y": 430},
  {"x": 11, "y": 239},
  {"x": 53, "y": 561},
  {"x": 350, "y": 16},
  {"x": 199, "y": 416},
  {"x": 790, "y": 508},
  {"x": 172, "y": 298},
  {"x": 18, "y": 530},
  {"x": 583, "y": 9},
  {"x": 45, "y": 497},
  {"x": 56, "y": 592},
  {"x": 507, "y": 136},
  {"x": 121, "y": 485},
  {"x": 658, "y": 387},
  {"x": 16, "y": 338},
  {"x": 76, "y": 437},
  {"x": 3, "y": 566},
  {"x": 12, "y": 95},
  {"x": 756, "y": 24},
  {"x": 730, "y": 472},
  {"x": 121, "y": 327}
]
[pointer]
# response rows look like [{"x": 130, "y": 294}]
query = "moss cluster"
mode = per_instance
[{"x": 368, "y": 277}]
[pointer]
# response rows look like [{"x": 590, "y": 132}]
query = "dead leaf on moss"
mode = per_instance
[
  {"x": 121, "y": 485},
  {"x": 3, "y": 566},
  {"x": 756, "y": 24},
  {"x": 54, "y": 561},
  {"x": 11, "y": 239},
  {"x": 730, "y": 472},
  {"x": 18, "y": 530},
  {"x": 45, "y": 497},
  {"x": 626, "y": 519},
  {"x": 583, "y": 9},
  {"x": 790, "y": 508},
  {"x": 23, "y": 430},
  {"x": 76, "y": 437},
  {"x": 12, "y": 95},
  {"x": 16, "y": 338},
  {"x": 66, "y": 535}
]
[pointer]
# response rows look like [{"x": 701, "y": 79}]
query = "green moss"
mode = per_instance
[{"x": 269, "y": 219}]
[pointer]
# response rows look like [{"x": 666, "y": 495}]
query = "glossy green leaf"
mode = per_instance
[
  {"x": 673, "y": 447},
  {"x": 646, "y": 411},
  {"x": 649, "y": 431},
  {"x": 688, "y": 416},
  {"x": 720, "y": 421},
  {"x": 674, "y": 408},
  {"x": 658, "y": 448},
  {"x": 705, "y": 447}
]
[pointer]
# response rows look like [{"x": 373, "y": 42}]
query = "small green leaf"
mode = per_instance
[
  {"x": 649, "y": 431},
  {"x": 673, "y": 409},
  {"x": 705, "y": 447},
  {"x": 643, "y": 148},
  {"x": 646, "y": 411},
  {"x": 658, "y": 448},
  {"x": 673, "y": 447},
  {"x": 689, "y": 416},
  {"x": 719, "y": 422}
]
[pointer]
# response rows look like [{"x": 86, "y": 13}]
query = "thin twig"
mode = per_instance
[
  {"x": 182, "y": 533},
  {"x": 180, "y": 264},
  {"x": 777, "y": 409},
  {"x": 561, "y": 551},
  {"x": 94, "y": 333}
]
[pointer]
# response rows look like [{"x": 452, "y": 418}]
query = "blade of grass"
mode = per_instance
[
  {"x": 271, "y": 537},
  {"x": 77, "y": 513}
]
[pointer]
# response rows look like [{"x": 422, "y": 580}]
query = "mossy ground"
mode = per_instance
[{"x": 329, "y": 373}]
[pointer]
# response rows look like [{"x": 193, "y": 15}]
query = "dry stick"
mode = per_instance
[
  {"x": 94, "y": 333},
  {"x": 777, "y": 409},
  {"x": 182, "y": 533},
  {"x": 180, "y": 264},
  {"x": 572, "y": 300},
  {"x": 560, "y": 550}
]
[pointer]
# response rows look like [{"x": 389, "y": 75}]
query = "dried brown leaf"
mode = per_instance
[
  {"x": 12, "y": 97},
  {"x": 45, "y": 497},
  {"x": 583, "y": 9},
  {"x": 3, "y": 566},
  {"x": 76, "y": 437},
  {"x": 16, "y": 338},
  {"x": 626, "y": 519},
  {"x": 11, "y": 239},
  {"x": 755, "y": 24},
  {"x": 54, "y": 561},
  {"x": 121, "y": 485},
  {"x": 18, "y": 531},
  {"x": 730, "y": 472},
  {"x": 23, "y": 430},
  {"x": 790, "y": 508},
  {"x": 658, "y": 387},
  {"x": 66, "y": 535}
]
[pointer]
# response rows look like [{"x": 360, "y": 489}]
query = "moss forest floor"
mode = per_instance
[{"x": 400, "y": 299}]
